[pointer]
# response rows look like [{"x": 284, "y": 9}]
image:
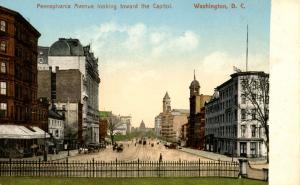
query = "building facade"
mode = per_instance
[
  {"x": 56, "y": 126},
  {"x": 171, "y": 120},
  {"x": 127, "y": 121},
  {"x": 19, "y": 106},
  {"x": 231, "y": 126},
  {"x": 68, "y": 73},
  {"x": 195, "y": 135}
]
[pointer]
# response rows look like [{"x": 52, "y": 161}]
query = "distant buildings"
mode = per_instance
[
  {"x": 127, "y": 121},
  {"x": 68, "y": 74},
  {"x": 170, "y": 122},
  {"x": 19, "y": 106},
  {"x": 231, "y": 126},
  {"x": 122, "y": 124},
  {"x": 195, "y": 132}
]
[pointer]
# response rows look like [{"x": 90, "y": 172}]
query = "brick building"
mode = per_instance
[
  {"x": 195, "y": 135},
  {"x": 19, "y": 105}
]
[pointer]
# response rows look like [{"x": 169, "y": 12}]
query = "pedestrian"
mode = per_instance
[{"x": 160, "y": 157}]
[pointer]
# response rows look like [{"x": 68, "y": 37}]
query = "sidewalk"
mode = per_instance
[
  {"x": 208, "y": 155},
  {"x": 50, "y": 157},
  {"x": 254, "y": 162}
]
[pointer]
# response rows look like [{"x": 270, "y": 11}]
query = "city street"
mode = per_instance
[{"x": 141, "y": 152}]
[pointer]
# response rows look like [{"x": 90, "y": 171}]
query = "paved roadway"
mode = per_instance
[{"x": 141, "y": 152}]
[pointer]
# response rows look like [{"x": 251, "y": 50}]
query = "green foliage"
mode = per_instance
[
  {"x": 126, "y": 181},
  {"x": 135, "y": 134}
]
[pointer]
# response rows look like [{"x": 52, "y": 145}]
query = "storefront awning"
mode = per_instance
[{"x": 21, "y": 132}]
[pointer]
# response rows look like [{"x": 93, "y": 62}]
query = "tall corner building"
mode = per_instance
[
  {"x": 231, "y": 127},
  {"x": 68, "y": 74},
  {"x": 21, "y": 112}
]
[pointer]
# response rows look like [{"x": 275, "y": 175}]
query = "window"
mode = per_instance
[
  {"x": 253, "y": 148},
  {"x": 243, "y": 149},
  {"x": 254, "y": 84},
  {"x": 3, "y": 67},
  {"x": 253, "y": 97},
  {"x": 3, "y": 110},
  {"x": 3, "y": 88},
  {"x": 243, "y": 130},
  {"x": 243, "y": 114},
  {"x": 3, "y": 25},
  {"x": 235, "y": 100},
  {"x": 3, "y": 46},
  {"x": 253, "y": 113},
  {"x": 41, "y": 60},
  {"x": 253, "y": 131},
  {"x": 267, "y": 99},
  {"x": 235, "y": 115},
  {"x": 243, "y": 97}
]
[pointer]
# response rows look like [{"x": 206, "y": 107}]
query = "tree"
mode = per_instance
[
  {"x": 255, "y": 94},
  {"x": 113, "y": 124}
]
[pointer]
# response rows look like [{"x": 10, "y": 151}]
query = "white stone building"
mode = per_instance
[
  {"x": 69, "y": 54},
  {"x": 231, "y": 126},
  {"x": 56, "y": 125}
]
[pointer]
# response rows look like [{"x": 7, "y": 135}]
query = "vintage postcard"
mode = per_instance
[{"x": 128, "y": 92}]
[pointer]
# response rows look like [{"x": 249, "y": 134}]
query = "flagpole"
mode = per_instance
[{"x": 247, "y": 51}]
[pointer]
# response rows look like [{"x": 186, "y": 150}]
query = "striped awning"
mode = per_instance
[{"x": 21, "y": 132}]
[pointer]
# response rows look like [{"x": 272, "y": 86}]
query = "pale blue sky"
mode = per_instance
[
  {"x": 219, "y": 28},
  {"x": 144, "y": 53}
]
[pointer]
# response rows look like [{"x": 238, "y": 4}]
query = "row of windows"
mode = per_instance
[
  {"x": 56, "y": 123},
  {"x": 255, "y": 131},
  {"x": 231, "y": 116},
  {"x": 222, "y": 105},
  {"x": 226, "y": 117},
  {"x": 228, "y": 91},
  {"x": 244, "y": 114},
  {"x": 21, "y": 113},
  {"x": 224, "y": 131}
]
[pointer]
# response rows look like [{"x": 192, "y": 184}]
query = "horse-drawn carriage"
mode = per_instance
[
  {"x": 117, "y": 147},
  {"x": 91, "y": 147}
]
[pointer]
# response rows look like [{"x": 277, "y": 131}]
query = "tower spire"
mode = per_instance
[
  {"x": 247, "y": 51},
  {"x": 194, "y": 75}
]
